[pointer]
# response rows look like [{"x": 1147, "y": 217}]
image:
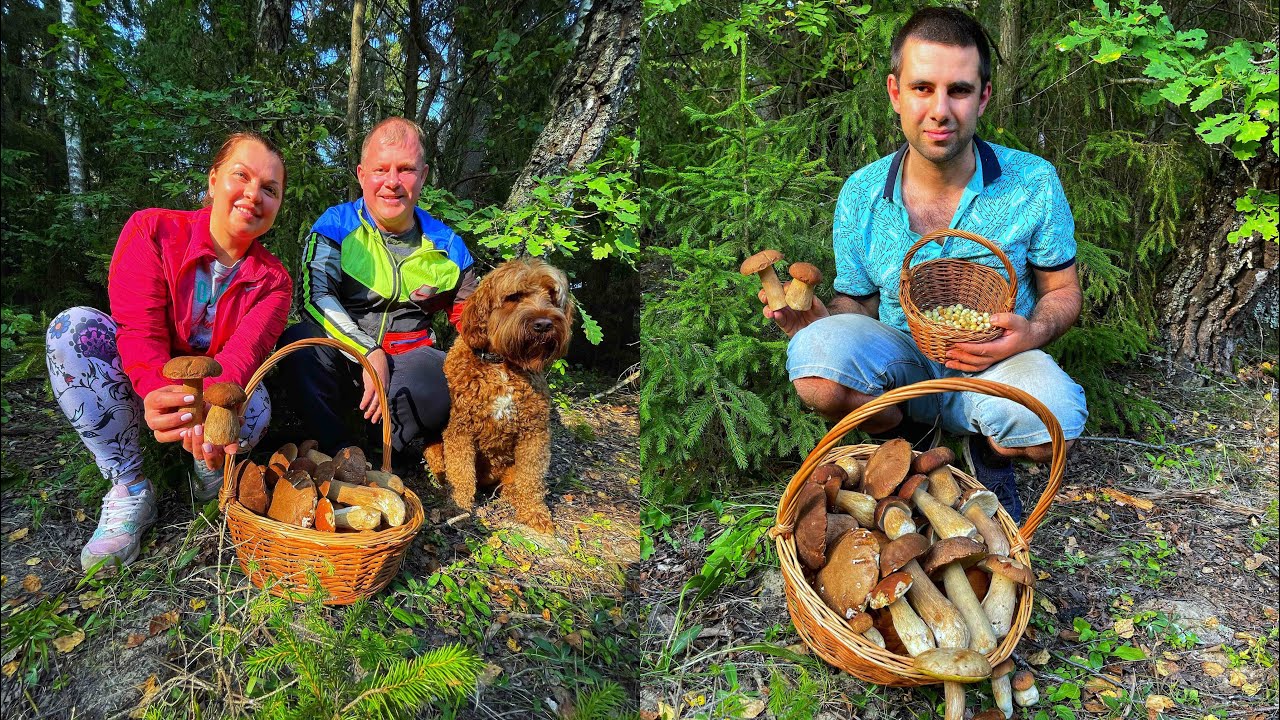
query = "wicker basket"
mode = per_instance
[
  {"x": 825, "y": 631},
  {"x": 279, "y": 557},
  {"x": 947, "y": 281}
]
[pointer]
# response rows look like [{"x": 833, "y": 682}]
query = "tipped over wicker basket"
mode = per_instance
[
  {"x": 947, "y": 281},
  {"x": 279, "y": 557},
  {"x": 824, "y": 630}
]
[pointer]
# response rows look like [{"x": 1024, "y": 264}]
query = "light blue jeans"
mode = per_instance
[{"x": 867, "y": 356}]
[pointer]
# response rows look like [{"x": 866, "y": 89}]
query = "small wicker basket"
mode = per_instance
[
  {"x": 824, "y": 630},
  {"x": 946, "y": 281},
  {"x": 279, "y": 557}
]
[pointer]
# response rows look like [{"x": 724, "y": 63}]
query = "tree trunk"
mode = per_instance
[
  {"x": 1220, "y": 295},
  {"x": 353, "y": 90},
  {"x": 274, "y": 17},
  {"x": 1010, "y": 41},
  {"x": 412, "y": 59},
  {"x": 70, "y": 123},
  {"x": 587, "y": 96},
  {"x": 475, "y": 150}
]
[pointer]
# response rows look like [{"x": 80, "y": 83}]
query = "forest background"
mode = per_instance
[{"x": 1159, "y": 117}]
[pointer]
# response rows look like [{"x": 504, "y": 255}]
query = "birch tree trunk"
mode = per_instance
[
  {"x": 353, "y": 91},
  {"x": 587, "y": 95},
  {"x": 70, "y": 123}
]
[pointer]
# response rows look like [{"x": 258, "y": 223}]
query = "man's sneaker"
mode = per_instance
[
  {"x": 995, "y": 473},
  {"x": 125, "y": 517},
  {"x": 205, "y": 483},
  {"x": 921, "y": 436}
]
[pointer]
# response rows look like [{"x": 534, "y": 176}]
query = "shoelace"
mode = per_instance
[{"x": 116, "y": 511}]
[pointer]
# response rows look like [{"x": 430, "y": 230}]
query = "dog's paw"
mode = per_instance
[{"x": 538, "y": 519}]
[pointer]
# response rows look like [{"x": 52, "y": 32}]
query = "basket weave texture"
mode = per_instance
[
  {"x": 279, "y": 557},
  {"x": 947, "y": 281},
  {"x": 825, "y": 631}
]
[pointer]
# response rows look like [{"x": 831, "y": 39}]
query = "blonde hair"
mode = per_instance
[{"x": 393, "y": 131}]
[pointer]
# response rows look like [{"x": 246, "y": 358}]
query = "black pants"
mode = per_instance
[{"x": 324, "y": 386}]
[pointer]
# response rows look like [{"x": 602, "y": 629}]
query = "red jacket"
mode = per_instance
[{"x": 151, "y": 285}]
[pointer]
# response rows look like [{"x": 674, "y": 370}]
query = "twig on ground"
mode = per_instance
[
  {"x": 1151, "y": 446},
  {"x": 1189, "y": 495},
  {"x": 631, "y": 376}
]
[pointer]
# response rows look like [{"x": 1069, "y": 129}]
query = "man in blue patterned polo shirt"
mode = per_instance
[{"x": 858, "y": 346}]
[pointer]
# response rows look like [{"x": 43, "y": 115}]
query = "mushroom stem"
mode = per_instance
[
  {"x": 1002, "y": 691},
  {"x": 772, "y": 288},
  {"x": 948, "y": 627},
  {"x": 942, "y": 518},
  {"x": 860, "y": 505},
  {"x": 195, "y": 387},
  {"x": 954, "y": 693},
  {"x": 912, "y": 631},
  {"x": 981, "y": 637}
]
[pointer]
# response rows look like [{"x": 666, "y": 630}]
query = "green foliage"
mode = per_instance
[
  {"x": 599, "y": 701},
  {"x": 1230, "y": 91},
  {"x": 312, "y": 668},
  {"x": 793, "y": 700},
  {"x": 30, "y": 632}
]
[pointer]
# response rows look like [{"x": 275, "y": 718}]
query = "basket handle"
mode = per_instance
[
  {"x": 228, "y": 491},
  {"x": 905, "y": 281},
  {"x": 787, "y": 508}
]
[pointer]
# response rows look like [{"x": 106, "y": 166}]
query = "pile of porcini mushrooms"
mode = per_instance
[
  {"x": 861, "y": 536},
  {"x": 304, "y": 487}
]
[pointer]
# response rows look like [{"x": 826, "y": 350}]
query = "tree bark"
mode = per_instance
[
  {"x": 70, "y": 123},
  {"x": 274, "y": 18},
  {"x": 353, "y": 90},
  {"x": 587, "y": 95},
  {"x": 412, "y": 59},
  {"x": 1220, "y": 296},
  {"x": 1010, "y": 41}
]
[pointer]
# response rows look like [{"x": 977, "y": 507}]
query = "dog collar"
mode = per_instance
[{"x": 488, "y": 357}]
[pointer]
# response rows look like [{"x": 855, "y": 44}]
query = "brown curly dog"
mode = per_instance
[{"x": 517, "y": 322}]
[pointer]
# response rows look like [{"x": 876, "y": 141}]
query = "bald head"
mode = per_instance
[{"x": 394, "y": 130}]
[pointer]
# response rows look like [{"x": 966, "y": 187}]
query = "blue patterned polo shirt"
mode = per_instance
[{"x": 1013, "y": 199}]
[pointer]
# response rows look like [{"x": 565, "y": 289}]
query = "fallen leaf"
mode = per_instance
[
  {"x": 1042, "y": 575},
  {"x": 1211, "y": 622},
  {"x": 1129, "y": 469},
  {"x": 574, "y": 639},
  {"x": 752, "y": 709},
  {"x": 31, "y": 584},
  {"x": 196, "y": 604},
  {"x": 1171, "y": 656},
  {"x": 4, "y": 579},
  {"x": 1237, "y": 679},
  {"x": 513, "y": 645},
  {"x": 1212, "y": 669},
  {"x": 1251, "y": 689},
  {"x": 80, "y": 515},
  {"x": 1097, "y": 684},
  {"x": 135, "y": 639},
  {"x": 67, "y": 643},
  {"x": 1254, "y": 562},
  {"x": 1095, "y": 707},
  {"x": 1157, "y": 704},
  {"x": 9, "y": 668},
  {"x": 649, "y": 715},
  {"x": 149, "y": 689},
  {"x": 18, "y": 534},
  {"x": 1121, "y": 498},
  {"x": 160, "y": 623},
  {"x": 89, "y": 600},
  {"x": 1039, "y": 658},
  {"x": 1101, "y": 515},
  {"x": 1048, "y": 606},
  {"x": 666, "y": 712},
  {"x": 33, "y": 561},
  {"x": 1124, "y": 627},
  {"x": 546, "y": 614},
  {"x": 1165, "y": 668}
]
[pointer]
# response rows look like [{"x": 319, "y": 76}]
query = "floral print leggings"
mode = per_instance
[{"x": 89, "y": 382}]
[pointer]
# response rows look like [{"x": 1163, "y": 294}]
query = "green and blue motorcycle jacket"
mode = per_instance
[{"x": 365, "y": 296}]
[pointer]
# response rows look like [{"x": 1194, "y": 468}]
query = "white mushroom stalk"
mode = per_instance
[
  {"x": 948, "y": 557},
  {"x": 954, "y": 667},
  {"x": 912, "y": 631},
  {"x": 944, "y": 520}
]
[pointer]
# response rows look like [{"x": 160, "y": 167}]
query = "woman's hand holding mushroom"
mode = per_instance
[
  {"x": 165, "y": 412},
  {"x": 194, "y": 442}
]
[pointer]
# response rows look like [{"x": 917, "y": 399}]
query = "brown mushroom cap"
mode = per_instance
[
  {"x": 899, "y": 552},
  {"x": 191, "y": 367},
  {"x": 306, "y": 446},
  {"x": 952, "y": 550},
  {"x": 811, "y": 526},
  {"x": 349, "y": 465},
  {"x": 953, "y": 665},
  {"x": 913, "y": 483},
  {"x": 930, "y": 460},
  {"x": 985, "y": 500},
  {"x": 990, "y": 714},
  {"x": 979, "y": 581},
  {"x": 759, "y": 261},
  {"x": 805, "y": 273},
  {"x": 851, "y": 571},
  {"x": 1023, "y": 680},
  {"x": 861, "y": 622},
  {"x": 224, "y": 394},
  {"x": 1004, "y": 668},
  {"x": 831, "y": 478},
  {"x": 886, "y": 468},
  {"x": 1009, "y": 568},
  {"x": 853, "y": 471},
  {"x": 890, "y": 502},
  {"x": 302, "y": 464},
  {"x": 888, "y": 590}
]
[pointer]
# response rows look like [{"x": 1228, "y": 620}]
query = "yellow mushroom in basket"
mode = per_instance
[
  {"x": 948, "y": 558},
  {"x": 385, "y": 501},
  {"x": 954, "y": 667}
]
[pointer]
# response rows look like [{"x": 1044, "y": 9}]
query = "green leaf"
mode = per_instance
[
  {"x": 1252, "y": 131},
  {"x": 1218, "y": 128},
  {"x": 1178, "y": 92},
  {"x": 1129, "y": 652},
  {"x": 1109, "y": 51},
  {"x": 1208, "y": 96}
]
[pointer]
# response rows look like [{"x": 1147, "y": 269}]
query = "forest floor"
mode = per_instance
[
  {"x": 551, "y": 617},
  {"x": 1157, "y": 594}
]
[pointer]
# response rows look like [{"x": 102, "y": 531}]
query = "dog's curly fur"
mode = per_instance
[{"x": 517, "y": 322}]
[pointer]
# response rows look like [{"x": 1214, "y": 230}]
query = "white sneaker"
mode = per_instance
[
  {"x": 124, "y": 519},
  {"x": 205, "y": 483}
]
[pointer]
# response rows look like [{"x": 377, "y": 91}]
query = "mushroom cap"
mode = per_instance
[
  {"x": 224, "y": 394},
  {"x": 805, "y": 273},
  {"x": 932, "y": 459},
  {"x": 884, "y": 505},
  {"x": 1023, "y": 680},
  {"x": 851, "y": 571},
  {"x": 303, "y": 464},
  {"x": 887, "y": 467},
  {"x": 979, "y": 580},
  {"x": 897, "y": 553},
  {"x": 990, "y": 714},
  {"x": 853, "y": 472},
  {"x": 887, "y": 591},
  {"x": 916, "y": 482},
  {"x": 759, "y": 261},
  {"x": 811, "y": 526},
  {"x": 861, "y": 622},
  {"x": 983, "y": 499},
  {"x": 952, "y": 550},
  {"x": 831, "y": 478},
  {"x": 191, "y": 367},
  {"x": 953, "y": 665},
  {"x": 1009, "y": 568},
  {"x": 839, "y": 524},
  {"x": 349, "y": 465},
  {"x": 1004, "y": 668}
]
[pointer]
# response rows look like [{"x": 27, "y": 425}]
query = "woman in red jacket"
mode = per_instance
[{"x": 181, "y": 283}]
